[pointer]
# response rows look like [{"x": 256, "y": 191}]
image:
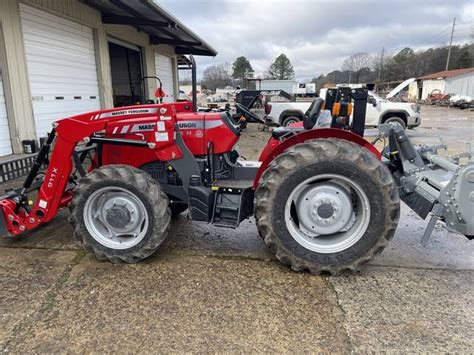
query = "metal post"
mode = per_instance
[
  {"x": 450, "y": 44},
  {"x": 193, "y": 82},
  {"x": 381, "y": 66}
]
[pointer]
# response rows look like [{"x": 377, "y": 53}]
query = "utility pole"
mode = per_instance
[
  {"x": 450, "y": 44},
  {"x": 381, "y": 66}
]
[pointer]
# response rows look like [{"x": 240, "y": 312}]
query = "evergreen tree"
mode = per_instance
[
  {"x": 281, "y": 68},
  {"x": 242, "y": 69}
]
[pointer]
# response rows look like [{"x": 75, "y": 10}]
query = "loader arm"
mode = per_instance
[{"x": 54, "y": 192}]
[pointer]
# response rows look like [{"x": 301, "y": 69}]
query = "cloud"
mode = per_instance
[{"x": 318, "y": 35}]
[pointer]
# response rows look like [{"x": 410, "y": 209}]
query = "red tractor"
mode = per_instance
[{"x": 323, "y": 200}]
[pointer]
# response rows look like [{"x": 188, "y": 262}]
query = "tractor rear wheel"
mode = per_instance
[
  {"x": 120, "y": 213},
  {"x": 327, "y": 205}
]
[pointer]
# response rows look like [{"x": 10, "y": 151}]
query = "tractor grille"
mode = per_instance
[{"x": 157, "y": 171}]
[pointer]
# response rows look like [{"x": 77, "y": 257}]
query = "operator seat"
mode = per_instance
[{"x": 310, "y": 119}]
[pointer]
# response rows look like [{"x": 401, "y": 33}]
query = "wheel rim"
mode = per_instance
[
  {"x": 115, "y": 217},
  {"x": 327, "y": 213},
  {"x": 398, "y": 122},
  {"x": 290, "y": 122}
]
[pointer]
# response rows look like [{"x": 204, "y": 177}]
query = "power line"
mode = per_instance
[
  {"x": 446, "y": 28},
  {"x": 440, "y": 35},
  {"x": 465, "y": 30}
]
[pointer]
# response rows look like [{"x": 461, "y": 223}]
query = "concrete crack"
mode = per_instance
[{"x": 344, "y": 314}]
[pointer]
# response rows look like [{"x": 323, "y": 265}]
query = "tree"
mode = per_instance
[
  {"x": 241, "y": 69},
  {"x": 281, "y": 68},
  {"x": 217, "y": 75},
  {"x": 407, "y": 63},
  {"x": 355, "y": 63}
]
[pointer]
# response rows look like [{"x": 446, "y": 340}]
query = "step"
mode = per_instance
[
  {"x": 233, "y": 184},
  {"x": 228, "y": 208}
]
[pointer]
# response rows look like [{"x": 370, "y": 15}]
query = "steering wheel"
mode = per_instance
[{"x": 247, "y": 112}]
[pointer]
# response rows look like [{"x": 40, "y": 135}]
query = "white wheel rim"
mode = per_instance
[
  {"x": 115, "y": 217},
  {"x": 327, "y": 213},
  {"x": 290, "y": 122}
]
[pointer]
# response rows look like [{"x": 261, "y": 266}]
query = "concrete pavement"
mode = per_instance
[{"x": 219, "y": 290}]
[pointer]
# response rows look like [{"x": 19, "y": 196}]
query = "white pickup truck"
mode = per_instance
[{"x": 379, "y": 111}]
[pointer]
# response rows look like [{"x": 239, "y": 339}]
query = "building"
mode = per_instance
[
  {"x": 457, "y": 81},
  {"x": 61, "y": 58}
]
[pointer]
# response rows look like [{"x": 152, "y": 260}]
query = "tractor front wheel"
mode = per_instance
[
  {"x": 120, "y": 214},
  {"x": 327, "y": 205}
]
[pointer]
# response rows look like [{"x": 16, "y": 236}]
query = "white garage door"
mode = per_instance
[
  {"x": 5, "y": 141},
  {"x": 61, "y": 66},
  {"x": 164, "y": 71}
]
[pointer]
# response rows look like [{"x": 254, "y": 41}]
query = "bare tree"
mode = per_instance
[
  {"x": 217, "y": 75},
  {"x": 355, "y": 64}
]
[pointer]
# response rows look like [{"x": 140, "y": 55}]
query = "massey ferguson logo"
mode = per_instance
[
  {"x": 143, "y": 127},
  {"x": 129, "y": 112},
  {"x": 133, "y": 111},
  {"x": 199, "y": 124},
  {"x": 187, "y": 125}
]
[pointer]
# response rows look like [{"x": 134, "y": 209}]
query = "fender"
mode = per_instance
[
  {"x": 383, "y": 114},
  {"x": 272, "y": 150}
]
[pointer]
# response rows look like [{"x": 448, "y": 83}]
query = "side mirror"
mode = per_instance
[{"x": 372, "y": 101}]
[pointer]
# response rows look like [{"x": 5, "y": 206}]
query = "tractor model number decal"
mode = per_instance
[
  {"x": 199, "y": 124},
  {"x": 133, "y": 111},
  {"x": 52, "y": 177}
]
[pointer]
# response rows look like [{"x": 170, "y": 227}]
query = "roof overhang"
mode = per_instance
[
  {"x": 149, "y": 17},
  {"x": 184, "y": 63}
]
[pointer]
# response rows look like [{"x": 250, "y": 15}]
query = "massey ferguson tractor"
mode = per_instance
[{"x": 324, "y": 199}]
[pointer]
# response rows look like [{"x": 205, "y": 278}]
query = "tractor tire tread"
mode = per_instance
[
  {"x": 312, "y": 152},
  {"x": 158, "y": 202}
]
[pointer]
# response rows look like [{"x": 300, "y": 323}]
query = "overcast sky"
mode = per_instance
[{"x": 318, "y": 35}]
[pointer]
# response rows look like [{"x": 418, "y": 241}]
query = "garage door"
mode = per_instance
[
  {"x": 5, "y": 142},
  {"x": 164, "y": 71},
  {"x": 61, "y": 67}
]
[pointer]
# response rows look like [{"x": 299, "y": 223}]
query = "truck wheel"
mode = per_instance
[
  {"x": 398, "y": 120},
  {"x": 120, "y": 214},
  {"x": 327, "y": 205},
  {"x": 288, "y": 120}
]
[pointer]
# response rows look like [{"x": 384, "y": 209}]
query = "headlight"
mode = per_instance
[{"x": 415, "y": 107}]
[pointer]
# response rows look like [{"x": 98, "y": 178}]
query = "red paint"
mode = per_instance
[
  {"x": 154, "y": 124},
  {"x": 199, "y": 129},
  {"x": 183, "y": 106},
  {"x": 52, "y": 194},
  {"x": 274, "y": 147}
]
